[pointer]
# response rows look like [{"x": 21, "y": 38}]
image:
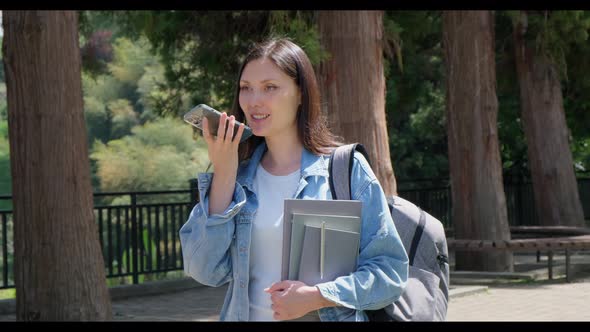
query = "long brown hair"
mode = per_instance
[{"x": 312, "y": 126}]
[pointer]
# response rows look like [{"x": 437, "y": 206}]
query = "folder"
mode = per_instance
[{"x": 321, "y": 239}]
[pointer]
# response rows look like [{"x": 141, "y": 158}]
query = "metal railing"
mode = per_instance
[
  {"x": 138, "y": 233},
  {"x": 520, "y": 203},
  {"x": 142, "y": 237}
]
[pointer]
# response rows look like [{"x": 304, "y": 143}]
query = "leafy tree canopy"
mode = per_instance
[
  {"x": 202, "y": 50},
  {"x": 198, "y": 55}
]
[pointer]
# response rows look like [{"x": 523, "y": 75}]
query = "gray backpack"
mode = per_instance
[{"x": 426, "y": 295}]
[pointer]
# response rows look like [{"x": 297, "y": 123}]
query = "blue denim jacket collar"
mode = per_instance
[{"x": 311, "y": 165}]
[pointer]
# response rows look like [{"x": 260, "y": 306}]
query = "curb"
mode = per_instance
[
  {"x": 537, "y": 274},
  {"x": 152, "y": 288},
  {"x": 473, "y": 278},
  {"x": 466, "y": 291},
  {"x": 121, "y": 292}
]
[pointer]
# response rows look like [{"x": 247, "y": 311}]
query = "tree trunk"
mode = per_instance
[
  {"x": 59, "y": 268},
  {"x": 353, "y": 84},
  {"x": 479, "y": 203},
  {"x": 555, "y": 188}
]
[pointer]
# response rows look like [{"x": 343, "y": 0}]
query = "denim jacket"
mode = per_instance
[{"x": 216, "y": 248}]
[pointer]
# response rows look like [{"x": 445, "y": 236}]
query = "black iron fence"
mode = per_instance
[
  {"x": 140, "y": 236},
  {"x": 138, "y": 231},
  {"x": 434, "y": 196}
]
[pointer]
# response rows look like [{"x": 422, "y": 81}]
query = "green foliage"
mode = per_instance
[
  {"x": 5, "y": 177},
  {"x": 559, "y": 31},
  {"x": 131, "y": 90},
  {"x": 130, "y": 60},
  {"x": 513, "y": 148},
  {"x": 97, "y": 119},
  {"x": 581, "y": 154},
  {"x": 149, "y": 246},
  {"x": 102, "y": 97},
  {"x": 90, "y": 21},
  {"x": 554, "y": 33},
  {"x": 103, "y": 88},
  {"x": 126, "y": 255},
  {"x": 561, "y": 36},
  {"x": 202, "y": 51},
  {"x": 123, "y": 117},
  {"x": 135, "y": 75},
  {"x": 152, "y": 89},
  {"x": 198, "y": 51},
  {"x": 420, "y": 143},
  {"x": 415, "y": 92},
  {"x": 2, "y": 78},
  {"x": 169, "y": 132},
  {"x": 300, "y": 28},
  {"x": 3, "y": 104},
  {"x": 393, "y": 44},
  {"x": 577, "y": 100},
  {"x": 159, "y": 155}
]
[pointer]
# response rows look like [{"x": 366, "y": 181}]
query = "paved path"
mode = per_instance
[
  {"x": 546, "y": 301},
  {"x": 196, "y": 304}
]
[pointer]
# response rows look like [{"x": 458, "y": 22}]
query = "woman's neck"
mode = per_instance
[{"x": 283, "y": 156}]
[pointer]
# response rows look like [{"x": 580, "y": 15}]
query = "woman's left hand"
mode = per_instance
[{"x": 293, "y": 299}]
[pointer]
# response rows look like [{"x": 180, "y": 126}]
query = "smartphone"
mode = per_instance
[{"x": 195, "y": 118}]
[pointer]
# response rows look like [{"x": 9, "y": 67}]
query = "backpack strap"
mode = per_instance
[
  {"x": 340, "y": 168},
  {"x": 417, "y": 237}
]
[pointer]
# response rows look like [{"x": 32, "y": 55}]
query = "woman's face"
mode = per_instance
[{"x": 269, "y": 99}]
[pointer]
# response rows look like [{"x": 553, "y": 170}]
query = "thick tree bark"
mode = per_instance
[
  {"x": 555, "y": 188},
  {"x": 59, "y": 268},
  {"x": 479, "y": 203},
  {"x": 352, "y": 83}
]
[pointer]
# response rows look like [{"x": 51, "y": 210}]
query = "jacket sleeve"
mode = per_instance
[
  {"x": 206, "y": 239},
  {"x": 382, "y": 270}
]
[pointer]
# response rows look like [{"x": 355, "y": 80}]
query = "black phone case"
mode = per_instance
[{"x": 195, "y": 117}]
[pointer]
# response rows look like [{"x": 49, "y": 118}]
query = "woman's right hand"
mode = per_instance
[
  {"x": 223, "y": 154},
  {"x": 223, "y": 151}
]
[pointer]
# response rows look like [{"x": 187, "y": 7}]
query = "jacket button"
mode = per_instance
[{"x": 242, "y": 284}]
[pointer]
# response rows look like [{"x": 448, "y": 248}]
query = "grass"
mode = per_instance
[{"x": 9, "y": 293}]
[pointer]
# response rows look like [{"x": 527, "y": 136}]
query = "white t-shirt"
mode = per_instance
[{"x": 267, "y": 238}]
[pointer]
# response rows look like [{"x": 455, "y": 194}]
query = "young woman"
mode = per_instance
[{"x": 234, "y": 234}]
